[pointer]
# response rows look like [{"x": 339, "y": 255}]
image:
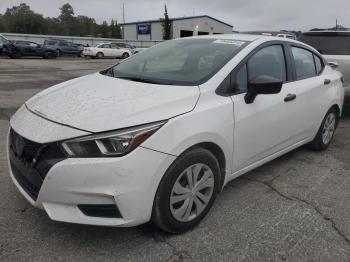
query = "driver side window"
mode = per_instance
[{"x": 268, "y": 61}]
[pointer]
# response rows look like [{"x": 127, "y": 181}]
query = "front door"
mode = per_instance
[{"x": 266, "y": 126}]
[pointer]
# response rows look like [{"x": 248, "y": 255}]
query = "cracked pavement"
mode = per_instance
[{"x": 295, "y": 208}]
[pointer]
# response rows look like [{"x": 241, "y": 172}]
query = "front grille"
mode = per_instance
[{"x": 31, "y": 161}]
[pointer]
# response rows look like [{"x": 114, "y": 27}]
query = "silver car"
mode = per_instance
[{"x": 335, "y": 47}]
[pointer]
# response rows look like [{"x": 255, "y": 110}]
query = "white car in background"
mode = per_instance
[
  {"x": 157, "y": 136},
  {"x": 106, "y": 50}
]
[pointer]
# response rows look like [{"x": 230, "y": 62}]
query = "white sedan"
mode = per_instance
[
  {"x": 157, "y": 136},
  {"x": 106, "y": 50}
]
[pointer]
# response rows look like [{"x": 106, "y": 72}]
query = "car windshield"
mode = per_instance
[
  {"x": 328, "y": 43},
  {"x": 3, "y": 40},
  {"x": 179, "y": 62}
]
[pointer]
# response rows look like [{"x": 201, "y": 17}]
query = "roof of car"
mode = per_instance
[
  {"x": 245, "y": 37},
  {"x": 327, "y": 32}
]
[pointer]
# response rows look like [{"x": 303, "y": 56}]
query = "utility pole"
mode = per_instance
[
  {"x": 336, "y": 24},
  {"x": 123, "y": 21}
]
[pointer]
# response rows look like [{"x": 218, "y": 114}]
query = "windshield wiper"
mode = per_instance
[{"x": 139, "y": 79}]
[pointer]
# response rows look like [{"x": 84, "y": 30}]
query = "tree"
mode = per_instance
[
  {"x": 115, "y": 31},
  {"x": 2, "y": 26},
  {"x": 104, "y": 30},
  {"x": 166, "y": 25},
  {"x": 21, "y": 19},
  {"x": 67, "y": 19}
]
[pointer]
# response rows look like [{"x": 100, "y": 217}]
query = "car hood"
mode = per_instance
[{"x": 97, "y": 103}]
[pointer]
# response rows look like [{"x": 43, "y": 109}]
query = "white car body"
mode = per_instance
[
  {"x": 249, "y": 135},
  {"x": 106, "y": 50}
]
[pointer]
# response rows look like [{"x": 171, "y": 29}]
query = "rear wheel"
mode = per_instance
[
  {"x": 187, "y": 191},
  {"x": 326, "y": 131},
  {"x": 125, "y": 55},
  {"x": 16, "y": 54},
  {"x": 49, "y": 55},
  {"x": 99, "y": 55}
]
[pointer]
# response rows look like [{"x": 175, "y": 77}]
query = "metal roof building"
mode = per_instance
[{"x": 180, "y": 27}]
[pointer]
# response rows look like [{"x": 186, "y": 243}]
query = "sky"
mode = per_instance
[{"x": 242, "y": 14}]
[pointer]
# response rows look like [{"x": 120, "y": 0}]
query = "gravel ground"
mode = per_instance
[{"x": 295, "y": 208}]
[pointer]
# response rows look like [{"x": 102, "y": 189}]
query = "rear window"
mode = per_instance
[
  {"x": 50, "y": 42},
  {"x": 328, "y": 43}
]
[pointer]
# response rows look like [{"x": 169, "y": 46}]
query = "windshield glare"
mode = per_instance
[{"x": 181, "y": 62}]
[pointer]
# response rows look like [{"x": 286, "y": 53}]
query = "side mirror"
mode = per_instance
[
  {"x": 333, "y": 64},
  {"x": 262, "y": 85}
]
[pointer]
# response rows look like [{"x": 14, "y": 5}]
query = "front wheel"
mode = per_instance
[
  {"x": 99, "y": 55},
  {"x": 326, "y": 131},
  {"x": 16, "y": 55},
  {"x": 187, "y": 191}
]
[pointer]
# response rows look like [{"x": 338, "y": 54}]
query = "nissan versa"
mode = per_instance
[{"x": 157, "y": 136}]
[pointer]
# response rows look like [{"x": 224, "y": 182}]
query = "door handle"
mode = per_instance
[
  {"x": 290, "y": 97},
  {"x": 327, "y": 81}
]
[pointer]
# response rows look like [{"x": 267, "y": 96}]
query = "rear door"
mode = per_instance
[
  {"x": 117, "y": 52},
  {"x": 313, "y": 87},
  {"x": 266, "y": 126}
]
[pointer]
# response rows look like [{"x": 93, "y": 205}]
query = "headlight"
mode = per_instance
[{"x": 117, "y": 143}]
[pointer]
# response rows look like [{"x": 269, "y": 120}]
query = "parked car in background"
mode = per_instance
[
  {"x": 3, "y": 40},
  {"x": 64, "y": 47},
  {"x": 335, "y": 48},
  {"x": 130, "y": 47},
  {"x": 106, "y": 50},
  {"x": 282, "y": 34},
  {"x": 157, "y": 136},
  {"x": 139, "y": 49},
  {"x": 19, "y": 48}
]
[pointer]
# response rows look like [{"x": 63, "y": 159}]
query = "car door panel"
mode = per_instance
[
  {"x": 267, "y": 125},
  {"x": 311, "y": 90},
  {"x": 263, "y": 127}
]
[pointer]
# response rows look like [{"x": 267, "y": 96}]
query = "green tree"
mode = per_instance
[
  {"x": 115, "y": 30},
  {"x": 67, "y": 19},
  {"x": 21, "y": 19},
  {"x": 2, "y": 26},
  {"x": 104, "y": 30},
  {"x": 166, "y": 25}
]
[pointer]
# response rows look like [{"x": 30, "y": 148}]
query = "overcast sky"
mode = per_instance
[{"x": 242, "y": 14}]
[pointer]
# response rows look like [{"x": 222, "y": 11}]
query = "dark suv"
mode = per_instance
[
  {"x": 335, "y": 47},
  {"x": 19, "y": 48},
  {"x": 64, "y": 47}
]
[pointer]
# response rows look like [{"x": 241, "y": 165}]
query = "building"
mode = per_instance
[{"x": 181, "y": 27}]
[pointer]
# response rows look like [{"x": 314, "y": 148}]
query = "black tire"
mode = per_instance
[
  {"x": 319, "y": 143},
  {"x": 80, "y": 54},
  {"x": 49, "y": 55},
  {"x": 16, "y": 55},
  {"x": 59, "y": 53},
  {"x": 99, "y": 55},
  {"x": 162, "y": 215},
  {"x": 125, "y": 55}
]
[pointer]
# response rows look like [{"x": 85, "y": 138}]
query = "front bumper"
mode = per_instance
[
  {"x": 129, "y": 182},
  {"x": 89, "y": 53}
]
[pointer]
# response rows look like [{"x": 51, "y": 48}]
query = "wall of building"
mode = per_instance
[
  {"x": 205, "y": 24},
  {"x": 130, "y": 32},
  {"x": 91, "y": 41}
]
